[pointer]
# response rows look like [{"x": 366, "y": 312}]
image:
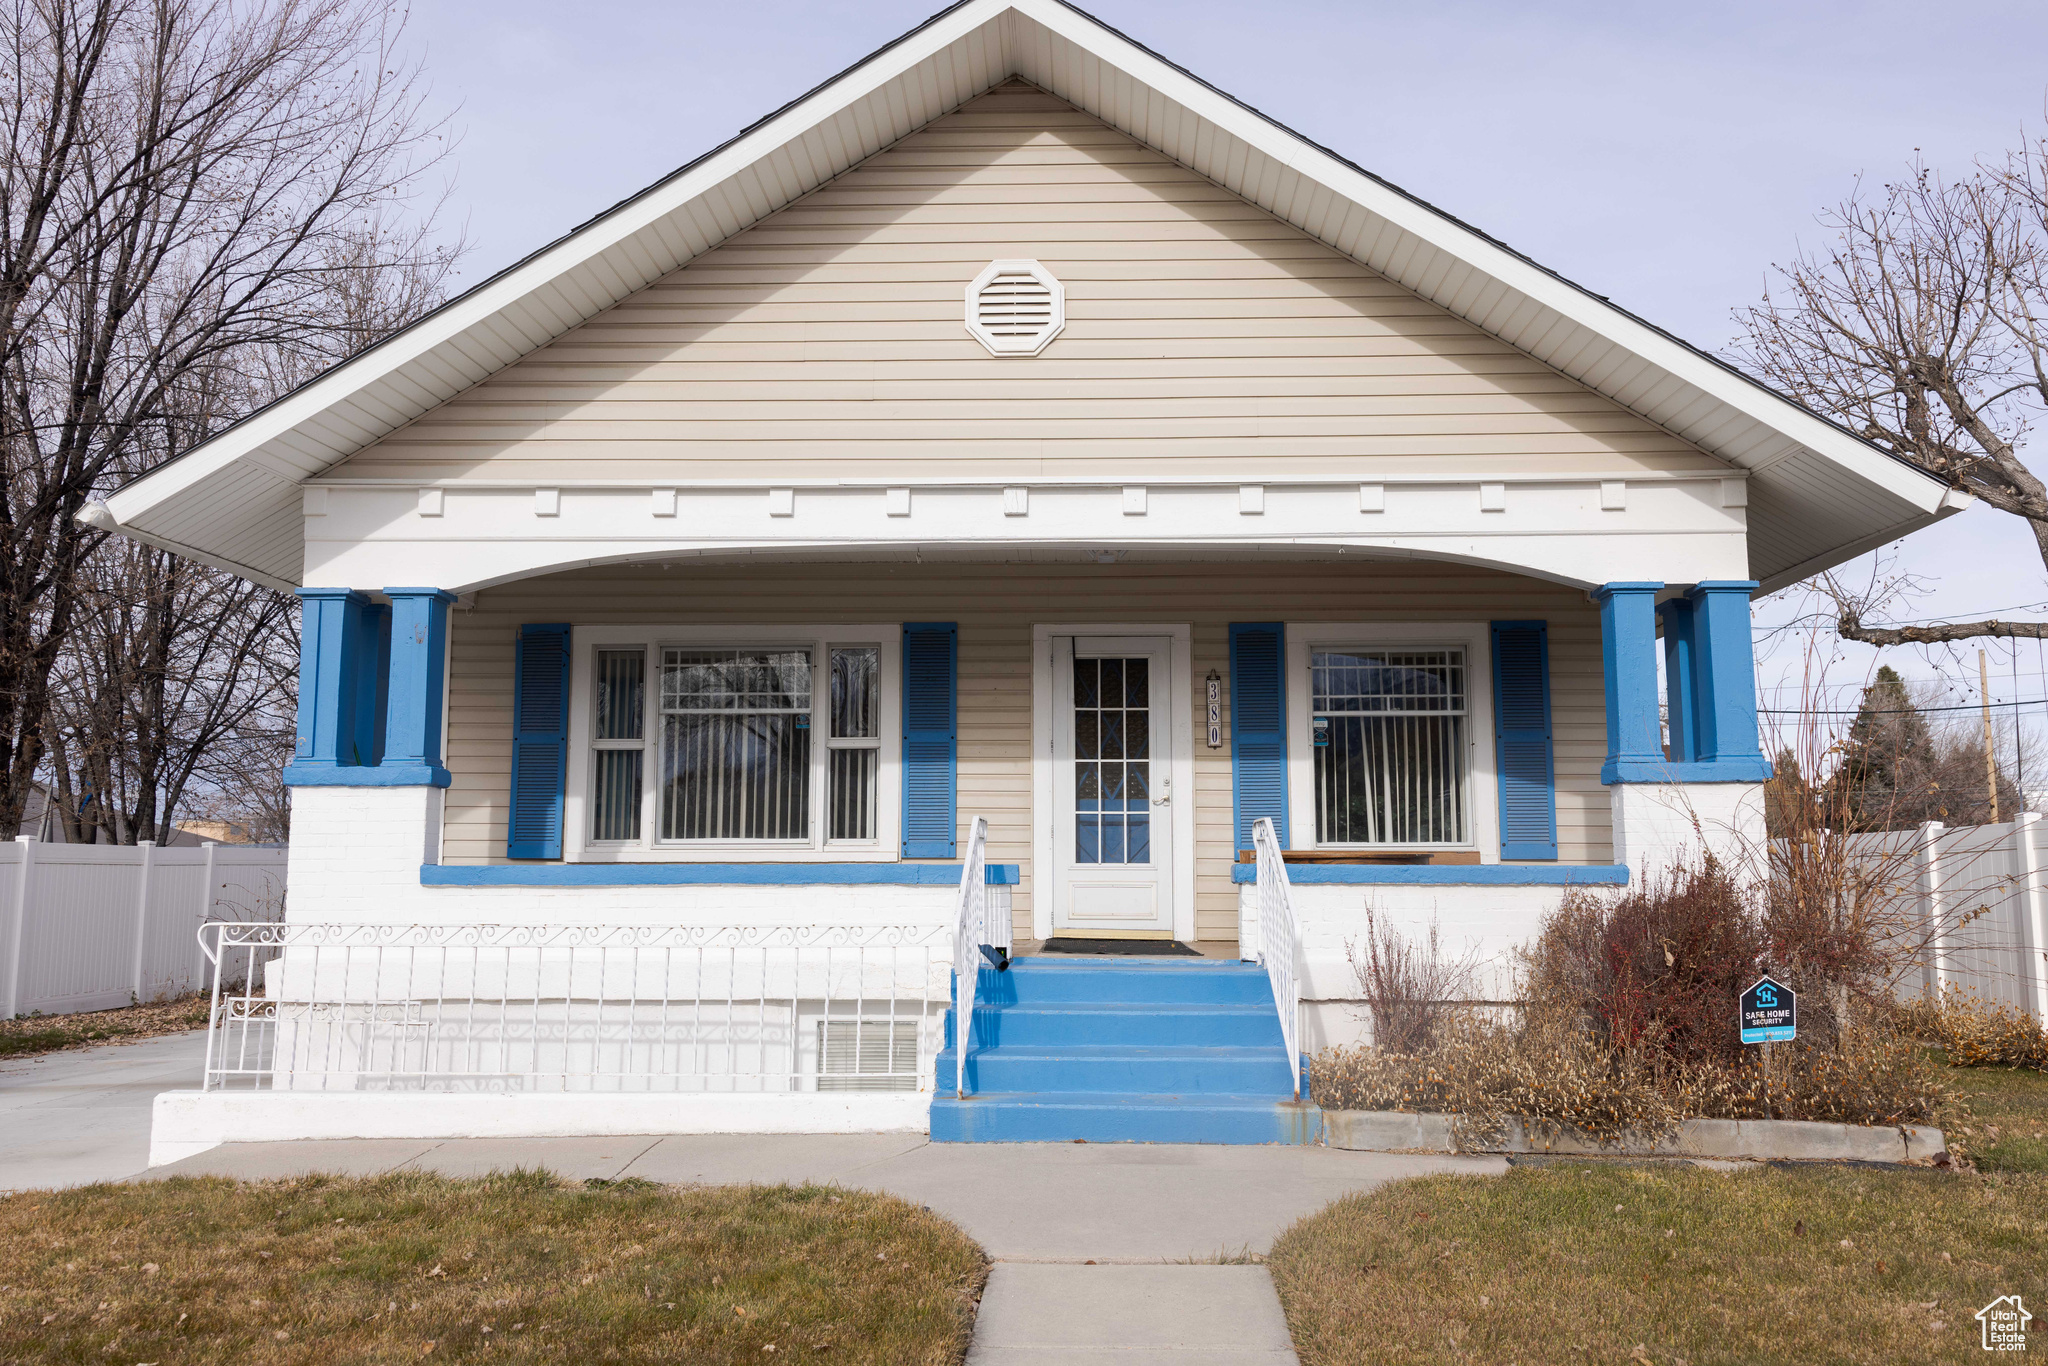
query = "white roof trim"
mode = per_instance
[{"x": 233, "y": 501}]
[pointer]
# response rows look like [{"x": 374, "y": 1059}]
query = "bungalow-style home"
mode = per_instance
[{"x": 1014, "y": 476}]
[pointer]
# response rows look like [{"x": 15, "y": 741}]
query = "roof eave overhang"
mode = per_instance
[
  {"x": 1956, "y": 501},
  {"x": 96, "y": 515}
]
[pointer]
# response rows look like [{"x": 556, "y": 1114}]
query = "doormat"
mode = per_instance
[{"x": 1128, "y": 948}]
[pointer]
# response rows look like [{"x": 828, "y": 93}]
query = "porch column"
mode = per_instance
[
  {"x": 1706, "y": 797},
  {"x": 1681, "y": 658},
  {"x": 1724, "y": 681},
  {"x": 332, "y": 629},
  {"x": 366, "y": 775},
  {"x": 1628, "y": 647},
  {"x": 413, "y": 715}
]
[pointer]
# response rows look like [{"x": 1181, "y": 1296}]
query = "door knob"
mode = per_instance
[{"x": 1165, "y": 792}]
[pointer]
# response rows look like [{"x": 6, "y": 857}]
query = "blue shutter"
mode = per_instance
[
  {"x": 1521, "y": 737},
  {"x": 931, "y": 666},
  {"x": 540, "y": 742},
  {"x": 1258, "y": 727}
]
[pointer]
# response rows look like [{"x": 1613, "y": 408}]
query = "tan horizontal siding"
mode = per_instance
[
  {"x": 996, "y": 606},
  {"x": 1204, "y": 337}
]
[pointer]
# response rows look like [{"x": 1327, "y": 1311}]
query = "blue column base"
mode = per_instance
[
  {"x": 1750, "y": 770},
  {"x": 359, "y": 775}
]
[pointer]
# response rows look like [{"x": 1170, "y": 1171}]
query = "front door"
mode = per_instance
[{"x": 1112, "y": 831}]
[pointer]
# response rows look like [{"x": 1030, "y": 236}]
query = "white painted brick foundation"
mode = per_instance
[
  {"x": 356, "y": 851},
  {"x": 1491, "y": 922},
  {"x": 1665, "y": 825}
]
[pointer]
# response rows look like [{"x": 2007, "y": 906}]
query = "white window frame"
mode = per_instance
[
  {"x": 586, "y": 641},
  {"x": 1482, "y": 806}
]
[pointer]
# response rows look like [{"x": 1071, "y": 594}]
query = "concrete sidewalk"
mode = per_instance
[
  {"x": 1104, "y": 1252},
  {"x": 83, "y": 1115}
]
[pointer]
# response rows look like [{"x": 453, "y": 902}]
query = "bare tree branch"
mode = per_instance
[
  {"x": 1849, "y": 628},
  {"x": 1920, "y": 327},
  {"x": 203, "y": 201}
]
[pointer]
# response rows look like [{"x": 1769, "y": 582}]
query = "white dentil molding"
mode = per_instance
[
  {"x": 1671, "y": 530},
  {"x": 1733, "y": 477}
]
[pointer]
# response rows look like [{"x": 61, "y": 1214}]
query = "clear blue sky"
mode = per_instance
[{"x": 1662, "y": 154}]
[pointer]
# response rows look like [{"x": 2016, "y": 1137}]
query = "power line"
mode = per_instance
[
  {"x": 1894, "y": 711},
  {"x": 1974, "y": 612}
]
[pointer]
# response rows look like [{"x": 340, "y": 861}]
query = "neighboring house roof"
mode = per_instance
[
  {"x": 1817, "y": 493},
  {"x": 39, "y": 821}
]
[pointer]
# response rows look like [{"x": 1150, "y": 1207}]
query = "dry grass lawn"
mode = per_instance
[
  {"x": 27, "y": 1035},
  {"x": 514, "y": 1268},
  {"x": 1605, "y": 1262},
  {"x": 2007, "y": 1127}
]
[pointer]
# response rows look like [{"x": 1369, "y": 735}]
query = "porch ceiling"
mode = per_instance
[{"x": 1818, "y": 494}]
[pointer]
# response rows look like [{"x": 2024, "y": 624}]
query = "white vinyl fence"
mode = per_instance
[
  {"x": 1979, "y": 891},
  {"x": 94, "y": 926}
]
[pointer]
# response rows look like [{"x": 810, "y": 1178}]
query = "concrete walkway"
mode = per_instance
[
  {"x": 83, "y": 1115},
  {"x": 1103, "y": 1252}
]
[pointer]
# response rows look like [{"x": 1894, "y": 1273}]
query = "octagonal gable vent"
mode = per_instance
[{"x": 1016, "y": 308}]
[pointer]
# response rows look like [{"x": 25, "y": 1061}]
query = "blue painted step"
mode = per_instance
[
  {"x": 1122, "y": 1050},
  {"x": 1101, "y": 1117},
  {"x": 1138, "y": 1024},
  {"x": 1119, "y": 1067},
  {"x": 1037, "y": 981}
]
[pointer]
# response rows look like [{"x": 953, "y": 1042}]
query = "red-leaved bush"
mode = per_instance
[{"x": 1656, "y": 968}]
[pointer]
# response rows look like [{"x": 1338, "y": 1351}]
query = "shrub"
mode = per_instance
[
  {"x": 1545, "y": 1074},
  {"x": 1977, "y": 1033},
  {"x": 1367, "y": 1078},
  {"x": 1867, "y": 1075},
  {"x": 1410, "y": 988},
  {"x": 1656, "y": 968},
  {"x": 1487, "y": 1073},
  {"x": 1628, "y": 1018}
]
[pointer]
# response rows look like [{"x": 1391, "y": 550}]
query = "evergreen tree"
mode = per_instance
[
  {"x": 1888, "y": 750},
  {"x": 1898, "y": 770}
]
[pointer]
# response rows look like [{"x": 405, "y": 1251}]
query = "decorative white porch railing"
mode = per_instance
[
  {"x": 602, "y": 1008},
  {"x": 975, "y": 928},
  {"x": 1278, "y": 938}
]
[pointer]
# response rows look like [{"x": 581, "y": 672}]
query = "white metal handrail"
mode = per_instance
[
  {"x": 971, "y": 932},
  {"x": 1277, "y": 939},
  {"x": 574, "y": 1007}
]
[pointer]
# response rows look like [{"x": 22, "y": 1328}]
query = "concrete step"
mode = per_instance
[
  {"x": 1191, "y": 1071},
  {"x": 1123, "y": 1022},
  {"x": 1184, "y": 981},
  {"x": 1102, "y": 1117}
]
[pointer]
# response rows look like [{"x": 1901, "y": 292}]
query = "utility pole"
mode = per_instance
[{"x": 1990, "y": 761}]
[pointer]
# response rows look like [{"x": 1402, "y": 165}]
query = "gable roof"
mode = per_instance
[{"x": 1817, "y": 494}]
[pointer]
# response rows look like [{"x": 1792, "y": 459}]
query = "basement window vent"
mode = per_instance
[
  {"x": 867, "y": 1055},
  {"x": 1016, "y": 308}
]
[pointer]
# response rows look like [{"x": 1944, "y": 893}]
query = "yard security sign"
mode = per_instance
[{"x": 1770, "y": 1012}]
